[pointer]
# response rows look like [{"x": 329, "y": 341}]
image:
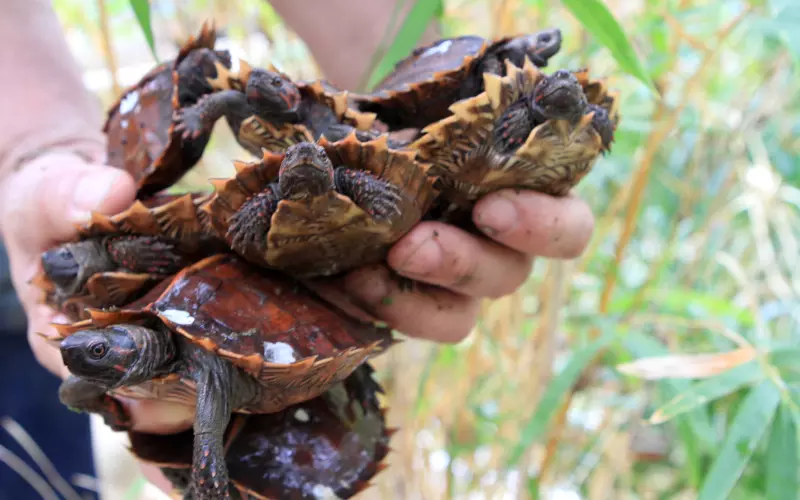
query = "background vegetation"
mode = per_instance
[{"x": 662, "y": 363}]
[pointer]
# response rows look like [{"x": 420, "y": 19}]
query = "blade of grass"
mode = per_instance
[
  {"x": 748, "y": 427},
  {"x": 782, "y": 457},
  {"x": 141, "y": 9},
  {"x": 601, "y": 23},
  {"x": 408, "y": 35}
]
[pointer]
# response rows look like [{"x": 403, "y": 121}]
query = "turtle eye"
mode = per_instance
[
  {"x": 276, "y": 82},
  {"x": 97, "y": 350}
]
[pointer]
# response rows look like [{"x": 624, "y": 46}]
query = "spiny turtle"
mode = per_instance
[
  {"x": 527, "y": 130},
  {"x": 422, "y": 86},
  {"x": 321, "y": 208},
  {"x": 141, "y": 134},
  {"x": 115, "y": 259},
  {"x": 222, "y": 335},
  {"x": 327, "y": 447},
  {"x": 265, "y": 109}
]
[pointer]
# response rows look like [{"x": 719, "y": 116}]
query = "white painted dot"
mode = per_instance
[
  {"x": 129, "y": 102},
  {"x": 323, "y": 492},
  {"x": 279, "y": 352},
  {"x": 178, "y": 317},
  {"x": 439, "y": 48},
  {"x": 302, "y": 415}
]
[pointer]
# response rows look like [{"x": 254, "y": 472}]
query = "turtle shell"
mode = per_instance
[
  {"x": 423, "y": 86},
  {"x": 140, "y": 129},
  {"x": 320, "y": 98},
  {"x": 262, "y": 321},
  {"x": 555, "y": 156},
  {"x": 176, "y": 218},
  {"x": 334, "y": 443},
  {"x": 328, "y": 234}
]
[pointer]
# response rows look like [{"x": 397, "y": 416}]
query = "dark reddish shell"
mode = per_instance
[
  {"x": 328, "y": 234},
  {"x": 140, "y": 129},
  {"x": 334, "y": 443},
  {"x": 269, "y": 325},
  {"x": 176, "y": 217}
]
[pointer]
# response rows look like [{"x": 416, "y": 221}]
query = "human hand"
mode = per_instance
[{"x": 40, "y": 205}]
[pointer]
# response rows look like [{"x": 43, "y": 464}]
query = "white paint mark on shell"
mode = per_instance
[
  {"x": 323, "y": 492},
  {"x": 279, "y": 352},
  {"x": 129, "y": 102},
  {"x": 302, "y": 415},
  {"x": 182, "y": 318},
  {"x": 439, "y": 48}
]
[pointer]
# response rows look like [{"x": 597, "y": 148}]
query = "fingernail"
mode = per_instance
[
  {"x": 423, "y": 260},
  {"x": 91, "y": 191},
  {"x": 496, "y": 215}
]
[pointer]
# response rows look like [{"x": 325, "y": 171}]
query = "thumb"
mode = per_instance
[{"x": 42, "y": 203}]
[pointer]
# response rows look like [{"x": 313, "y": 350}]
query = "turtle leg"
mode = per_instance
[
  {"x": 199, "y": 119},
  {"x": 146, "y": 254},
  {"x": 513, "y": 127},
  {"x": 250, "y": 224},
  {"x": 193, "y": 74},
  {"x": 81, "y": 395},
  {"x": 381, "y": 199}
]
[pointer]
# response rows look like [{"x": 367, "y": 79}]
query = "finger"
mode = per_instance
[
  {"x": 444, "y": 255},
  {"x": 427, "y": 312},
  {"x": 535, "y": 223}
]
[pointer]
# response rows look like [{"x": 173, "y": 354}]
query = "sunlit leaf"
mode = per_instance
[
  {"x": 554, "y": 395},
  {"x": 141, "y": 8},
  {"x": 601, "y": 23},
  {"x": 687, "y": 365},
  {"x": 407, "y": 38},
  {"x": 709, "y": 390},
  {"x": 782, "y": 457},
  {"x": 742, "y": 436}
]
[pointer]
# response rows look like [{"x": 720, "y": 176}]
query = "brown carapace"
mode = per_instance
[
  {"x": 140, "y": 132},
  {"x": 223, "y": 336},
  {"x": 322, "y": 208},
  {"x": 116, "y": 259},
  {"x": 527, "y": 130},
  {"x": 331, "y": 445},
  {"x": 422, "y": 87}
]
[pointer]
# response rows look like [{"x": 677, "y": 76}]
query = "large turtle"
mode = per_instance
[
  {"x": 321, "y": 208},
  {"x": 331, "y": 445},
  {"x": 527, "y": 130},
  {"x": 265, "y": 109},
  {"x": 115, "y": 259},
  {"x": 423, "y": 86},
  {"x": 222, "y": 335},
  {"x": 141, "y": 135}
]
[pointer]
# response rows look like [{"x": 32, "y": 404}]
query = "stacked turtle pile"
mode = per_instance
[{"x": 201, "y": 299}]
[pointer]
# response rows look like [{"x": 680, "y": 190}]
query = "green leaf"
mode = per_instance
[
  {"x": 709, "y": 390},
  {"x": 601, "y": 23},
  {"x": 539, "y": 422},
  {"x": 407, "y": 37},
  {"x": 782, "y": 457},
  {"x": 742, "y": 437},
  {"x": 141, "y": 8}
]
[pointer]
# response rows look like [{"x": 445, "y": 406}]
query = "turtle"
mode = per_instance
[
  {"x": 114, "y": 259},
  {"x": 266, "y": 109},
  {"x": 527, "y": 130},
  {"x": 222, "y": 336},
  {"x": 333, "y": 444},
  {"x": 321, "y": 208},
  {"x": 422, "y": 86},
  {"x": 141, "y": 136}
]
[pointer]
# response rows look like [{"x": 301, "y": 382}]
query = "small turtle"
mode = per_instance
[
  {"x": 141, "y": 135},
  {"x": 333, "y": 444},
  {"x": 265, "y": 109},
  {"x": 422, "y": 86},
  {"x": 222, "y": 336},
  {"x": 115, "y": 259},
  {"x": 527, "y": 130},
  {"x": 321, "y": 208}
]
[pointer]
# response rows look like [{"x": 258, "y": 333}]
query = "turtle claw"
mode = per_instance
[
  {"x": 189, "y": 123},
  {"x": 386, "y": 204}
]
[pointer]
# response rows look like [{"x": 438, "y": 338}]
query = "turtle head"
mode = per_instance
[
  {"x": 559, "y": 96},
  {"x": 69, "y": 265},
  {"x": 101, "y": 355},
  {"x": 539, "y": 47},
  {"x": 271, "y": 94},
  {"x": 306, "y": 172}
]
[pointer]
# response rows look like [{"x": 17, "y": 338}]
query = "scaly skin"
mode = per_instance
[
  {"x": 195, "y": 70},
  {"x": 106, "y": 358}
]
